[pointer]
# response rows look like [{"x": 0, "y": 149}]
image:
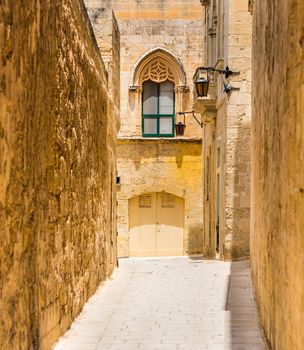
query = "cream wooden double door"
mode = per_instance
[{"x": 156, "y": 225}]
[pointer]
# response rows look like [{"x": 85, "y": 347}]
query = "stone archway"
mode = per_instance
[{"x": 158, "y": 65}]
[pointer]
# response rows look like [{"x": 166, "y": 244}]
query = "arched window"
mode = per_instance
[
  {"x": 159, "y": 82},
  {"x": 158, "y": 109}
]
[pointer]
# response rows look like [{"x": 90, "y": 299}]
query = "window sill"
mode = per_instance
[{"x": 160, "y": 139}]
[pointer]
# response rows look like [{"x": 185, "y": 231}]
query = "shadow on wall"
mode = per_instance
[
  {"x": 149, "y": 149},
  {"x": 242, "y": 317},
  {"x": 178, "y": 160},
  {"x": 195, "y": 240},
  {"x": 242, "y": 320}
]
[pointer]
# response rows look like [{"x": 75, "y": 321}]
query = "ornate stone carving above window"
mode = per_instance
[
  {"x": 158, "y": 66},
  {"x": 158, "y": 72}
]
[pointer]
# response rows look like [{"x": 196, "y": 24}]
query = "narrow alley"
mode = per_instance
[
  {"x": 151, "y": 175},
  {"x": 169, "y": 303}
]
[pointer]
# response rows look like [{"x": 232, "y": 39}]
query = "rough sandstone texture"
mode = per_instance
[
  {"x": 226, "y": 133},
  {"x": 277, "y": 239},
  {"x": 107, "y": 37},
  {"x": 57, "y": 170},
  {"x": 162, "y": 165},
  {"x": 238, "y": 132},
  {"x": 176, "y": 26}
]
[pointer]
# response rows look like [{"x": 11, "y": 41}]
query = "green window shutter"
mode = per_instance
[{"x": 158, "y": 109}]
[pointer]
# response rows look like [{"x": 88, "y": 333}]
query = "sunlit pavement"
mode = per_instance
[{"x": 170, "y": 303}]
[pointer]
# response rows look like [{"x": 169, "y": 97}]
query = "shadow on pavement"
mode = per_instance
[{"x": 242, "y": 321}]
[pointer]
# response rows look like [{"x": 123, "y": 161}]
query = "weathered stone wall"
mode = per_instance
[
  {"x": 176, "y": 26},
  {"x": 209, "y": 170},
  {"x": 173, "y": 25},
  {"x": 156, "y": 166},
  {"x": 57, "y": 170},
  {"x": 107, "y": 37},
  {"x": 238, "y": 124},
  {"x": 277, "y": 240},
  {"x": 227, "y": 140}
]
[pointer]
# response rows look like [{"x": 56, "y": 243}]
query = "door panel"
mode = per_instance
[
  {"x": 142, "y": 216},
  {"x": 156, "y": 225},
  {"x": 170, "y": 225}
]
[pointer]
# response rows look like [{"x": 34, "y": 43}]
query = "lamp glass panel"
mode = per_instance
[
  {"x": 205, "y": 88},
  {"x": 202, "y": 87},
  {"x": 150, "y": 126},
  {"x": 165, "y": 125},
  {"x": 166, "y": 98},
  {"x": 150, "y": 96},
  {"x": 180, "y": 129},
  {"x": 199, "y": 89}
]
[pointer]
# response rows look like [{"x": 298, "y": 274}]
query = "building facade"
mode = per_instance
[
  {"x": 159, "y": 177},
  {"x": 226, "y": 114},
  {"x": 163, "y": 44}
]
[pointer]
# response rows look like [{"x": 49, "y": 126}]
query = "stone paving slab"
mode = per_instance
[{"x": 170, "y": 304}]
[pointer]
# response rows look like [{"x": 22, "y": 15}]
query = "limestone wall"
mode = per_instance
[
  {"x": 176, "y": 26},
  {"x": 238, "y": 124},
  {"x": 226, "y": 132},
  {"x": 277, "y": 239},
  {"x": 209, "y": 170},
  {"x": 57, "y": 170},
  {"x": 107, "y": 37},
  {"x": 156, "y": 166}
]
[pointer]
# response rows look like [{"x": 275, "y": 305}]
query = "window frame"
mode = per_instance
[{"x": 157, "y": 116}]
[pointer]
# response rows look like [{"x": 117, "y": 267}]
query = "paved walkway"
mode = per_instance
[{"x": 169, "y": 303}]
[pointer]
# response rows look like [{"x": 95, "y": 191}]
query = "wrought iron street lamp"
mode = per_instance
[
  {"x": 181, "y": 126},
  {"x": 202, "y": 87},
  {"x": 202, "y": 78},
  {"x": 180, "y": 129}
]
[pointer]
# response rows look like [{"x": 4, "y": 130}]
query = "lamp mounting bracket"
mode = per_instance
[
  {"x": 193, "y": 115},
  {"x": 226, "y": 72}
]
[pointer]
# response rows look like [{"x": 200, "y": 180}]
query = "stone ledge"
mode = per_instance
[
  {"x": 196, "y": 140},
  {"x": 206, "y": 107}
]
